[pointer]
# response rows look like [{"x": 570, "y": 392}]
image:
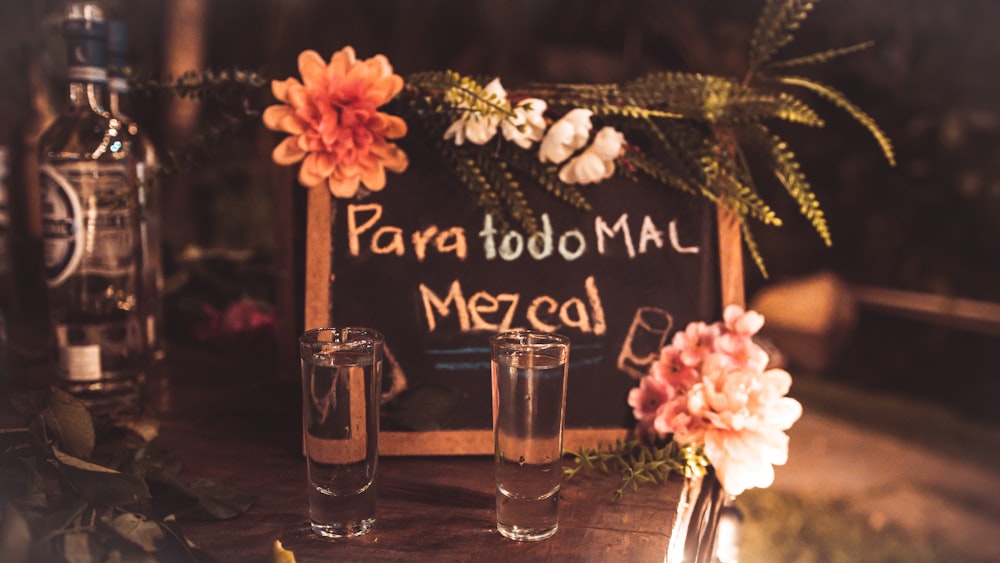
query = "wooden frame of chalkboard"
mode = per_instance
[{"x": 421, "y": 263}]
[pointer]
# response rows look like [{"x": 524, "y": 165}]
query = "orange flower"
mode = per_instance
[{"x": 333, "y": 122}]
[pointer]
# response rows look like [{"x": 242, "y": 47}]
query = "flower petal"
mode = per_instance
[
  {"x": 282, "y": 118},
  {"x": 288, "y": 152},
  {"x": 344, "y": 188},
  {"x": 395, "y": 127},
  {"x": 374, "y": 178},
  {"x": 312, "y": 68},
  {"x": 309, "y": 172},
  {"x": 391, "y": 156},
  {"x": 384, "y": 89},
  {"x": 342, "y": 61},
  {"x": 280, "y": 88}
]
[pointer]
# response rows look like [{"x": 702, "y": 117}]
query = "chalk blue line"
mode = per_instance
[
  {"x": 486, "y": 349},
  {"x": 457, "y": 366},
  {"x": 442, "y": 351}
]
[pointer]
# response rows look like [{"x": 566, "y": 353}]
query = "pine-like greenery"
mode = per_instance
[
  {"x": 686, "y": 131},
  {"x": 638, "y": 463}
]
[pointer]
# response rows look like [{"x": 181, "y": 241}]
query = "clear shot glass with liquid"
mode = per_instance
[
  {"x": 529, "y": 403},
  {"x": 341, "y": 382}
]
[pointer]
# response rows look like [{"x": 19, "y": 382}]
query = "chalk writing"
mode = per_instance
[
  {"x": 485, "y": 312},
  {"x": 388, "y": 239}
]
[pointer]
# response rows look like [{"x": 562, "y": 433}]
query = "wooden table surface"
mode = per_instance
[{"x": 240, "y": 426}]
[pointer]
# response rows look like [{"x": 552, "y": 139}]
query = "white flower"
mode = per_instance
[
  {"x": 597, "y": 162},
  {"x": 566, "y": 136},
  {"x": 473, "y": 125},
  {"x": 527, "y": 125}
]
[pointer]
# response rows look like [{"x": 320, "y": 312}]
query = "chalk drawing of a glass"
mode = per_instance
[{"x": 646, "y": 336}]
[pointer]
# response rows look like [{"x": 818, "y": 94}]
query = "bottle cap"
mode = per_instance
[{"x": 86, "y": 33}]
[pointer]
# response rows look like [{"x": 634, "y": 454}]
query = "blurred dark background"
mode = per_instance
[{"x": 929, "y": 228}]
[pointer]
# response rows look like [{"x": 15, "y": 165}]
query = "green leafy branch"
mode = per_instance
[
  {"x": 778, "y": 21},
  {"x": 66, "y": 501},
  {"x": 637, "y": 463},
  {"x": 229, "y": 92},
  {"x": 208, "y": 85},
  {"x": 463, "y": 94},
  {"x": 840, "y": 100},
  {"x": 821, "y": 56}
]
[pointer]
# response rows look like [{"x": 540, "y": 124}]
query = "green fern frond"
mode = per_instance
[
  {"x": 778, "y": 21},
  {"x": 752, "y": 247},
  {"x": 755, "y": 107},
  {"x": 786, "y": 168},
  {"x": 821, "y": 56},
  {"x": 498, "y": 177},
  {"x": 679, "y": 143},
  {"x": 688, "y": 94},
  {"x": 463, "y": 93},
  {"x": 208, "y": 85},
  {"x": 568, "y": 96},
  {"x": 657, "y": 171},
  {"x": 471, "y": 175},
  {"x": 733, "y": 190},
  {"x": 630, "y": 111},
  {"x": 547, "y": 176},
  {"x": 840, "y": 100},
  {"x": 714, "y": 99}
]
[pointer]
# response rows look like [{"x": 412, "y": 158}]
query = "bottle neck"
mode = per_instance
[
  {"x": 87, "y": 92},
  {"x": 118, "y": 103}
]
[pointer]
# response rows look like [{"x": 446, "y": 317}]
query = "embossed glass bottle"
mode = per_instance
[
  {"x": 90, "y": 222},
  {"x": 147, "y": 165}
]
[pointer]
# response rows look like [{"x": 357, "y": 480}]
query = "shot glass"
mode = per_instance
[
  {"x": 529, "y": 404},
  {"x": 341, "y": 380}
]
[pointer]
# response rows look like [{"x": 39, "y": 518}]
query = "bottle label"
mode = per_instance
[
  {"x": 62, "y": 222},
  {"x": 89, "y": 222},
  {"x": 80, "y": 363}
]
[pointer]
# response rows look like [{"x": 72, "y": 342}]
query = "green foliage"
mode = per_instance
[
  {"x": 463, "y": 94},
  {"x": 66, "y": 502},
  {"x": 821, "y": 57},
  {"x": 841, "y": 100},
  {"x": 687, "y": 131},
  {"x": 775, "y": 28},
  {"x": 638, "y": 463},
  {"x": 788, "y": 172},
  {"x": 228, "y": 95}
]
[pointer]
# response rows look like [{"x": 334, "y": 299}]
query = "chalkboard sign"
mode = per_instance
[{"x": 421, "y": 262}]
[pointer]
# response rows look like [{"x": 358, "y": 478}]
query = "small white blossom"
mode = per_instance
[
  {"x": 597, "y": 162},
  {"x": 473, "y": 125},
  {"x": 566, "y": 136},
  {"x": 528, "y": 123}
]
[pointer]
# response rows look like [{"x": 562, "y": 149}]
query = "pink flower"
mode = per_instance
[
  {"x": 646, "y": 400},
  {"x": 333, "y": 124},
  {"x": 741, "y": 351},
  {"x": 743, "y": 323},
  {"x": 745, "y": 414},
  {"x": 712, "y": 392},
  {"x": 695, "y": 342},
  {"x": 674, "y": 418},
  {"x": 671, "y": 369}
]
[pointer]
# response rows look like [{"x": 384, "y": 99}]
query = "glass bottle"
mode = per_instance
[
  {"x": 90, "y": 228},
  {"x": 147, "y": 168}
]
